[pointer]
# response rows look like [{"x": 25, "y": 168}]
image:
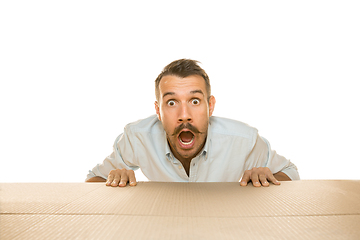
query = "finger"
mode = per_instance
[
  {"x": 132, "y": 179},
  {"x": 124, "y": 178},
  {"x": 272, "y": 179},
  {"x": 110, "y": 179},
  {"x": 246, "y": 178},
  {"x": 255, "y": 179},
  {"x": 115, "y": 181},
  {"x": 263, "y": 180},
  {"x": 117, "y": 177}
]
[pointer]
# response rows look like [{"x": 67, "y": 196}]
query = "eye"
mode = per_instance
[
  {"x": 171, "y": 103},
  {"x": 195, "y": 101}
]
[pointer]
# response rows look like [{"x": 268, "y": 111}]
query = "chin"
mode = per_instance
[{"x": 187, "y": 154}]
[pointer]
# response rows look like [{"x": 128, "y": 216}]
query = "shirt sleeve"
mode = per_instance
[
  {"x": 263, "y": 156},
  {"x": 115, "y": 160}
]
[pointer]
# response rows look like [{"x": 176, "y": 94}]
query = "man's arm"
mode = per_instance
[
  {"x": 276, "y": 168},
  {"x": 280, "y": 176},
  {"x": 96, "y": 179}
]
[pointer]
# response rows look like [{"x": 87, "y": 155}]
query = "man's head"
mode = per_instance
[
  {"x": 183, "y": 68},
  {"x": 184, "y": 105}
]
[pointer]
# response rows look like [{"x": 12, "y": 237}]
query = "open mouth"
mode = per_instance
[{"x": 186, "y": 138}]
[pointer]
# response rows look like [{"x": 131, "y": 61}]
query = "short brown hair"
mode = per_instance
[{"x": 183, "y": 68}]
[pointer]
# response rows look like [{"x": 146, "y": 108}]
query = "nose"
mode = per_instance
[{"x": 185, "y": 114}]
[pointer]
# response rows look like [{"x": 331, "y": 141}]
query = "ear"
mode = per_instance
[
  {"x": 157, "y": 109},
  {"x": 212, "y": 102}
]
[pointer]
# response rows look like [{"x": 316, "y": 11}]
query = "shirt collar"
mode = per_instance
[{"x": 168, "y": 152}]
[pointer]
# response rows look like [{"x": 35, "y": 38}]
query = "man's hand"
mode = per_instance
[
  {"x": 259, "y": 176},
  {"x": 120, "y": 177}
]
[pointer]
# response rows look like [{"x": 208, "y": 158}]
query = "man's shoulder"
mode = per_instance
[
  {"x": 226, "y": 126},
  {"x": 149, "y": 124}
]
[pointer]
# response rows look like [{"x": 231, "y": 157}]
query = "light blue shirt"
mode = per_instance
[{"x": 231, "y": 148}]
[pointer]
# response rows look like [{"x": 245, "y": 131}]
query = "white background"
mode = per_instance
[{"x": 74, "y": 73}]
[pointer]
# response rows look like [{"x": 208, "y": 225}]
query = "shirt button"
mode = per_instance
[
  {"x": 180, "y": 167},
  {"x": 193, "y": 164}
]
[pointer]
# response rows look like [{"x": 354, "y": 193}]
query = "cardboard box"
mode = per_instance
[{"x": 155, "y": 210}]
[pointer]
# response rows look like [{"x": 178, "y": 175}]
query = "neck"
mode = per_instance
[{"x": 185, "y": 161}]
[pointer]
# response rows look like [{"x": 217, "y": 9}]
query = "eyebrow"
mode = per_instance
[
  {"x": 197, "y": 91},
  {"x": 192, "y": 92},
  {"x": 168, "y": 93}
]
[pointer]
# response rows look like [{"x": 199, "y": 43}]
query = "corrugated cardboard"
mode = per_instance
[{"x": 154, "y": 210}]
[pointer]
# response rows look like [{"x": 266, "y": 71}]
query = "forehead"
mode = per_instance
[{"x": 179, "y": 85}]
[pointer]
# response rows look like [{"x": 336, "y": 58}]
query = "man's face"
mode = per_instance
[{"x": 184, "y": 112}]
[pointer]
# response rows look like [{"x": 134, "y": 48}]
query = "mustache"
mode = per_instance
[{"x": 179, "y": 128}]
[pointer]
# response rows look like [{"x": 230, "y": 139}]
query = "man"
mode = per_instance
[{"x": 184, "y": 143}]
